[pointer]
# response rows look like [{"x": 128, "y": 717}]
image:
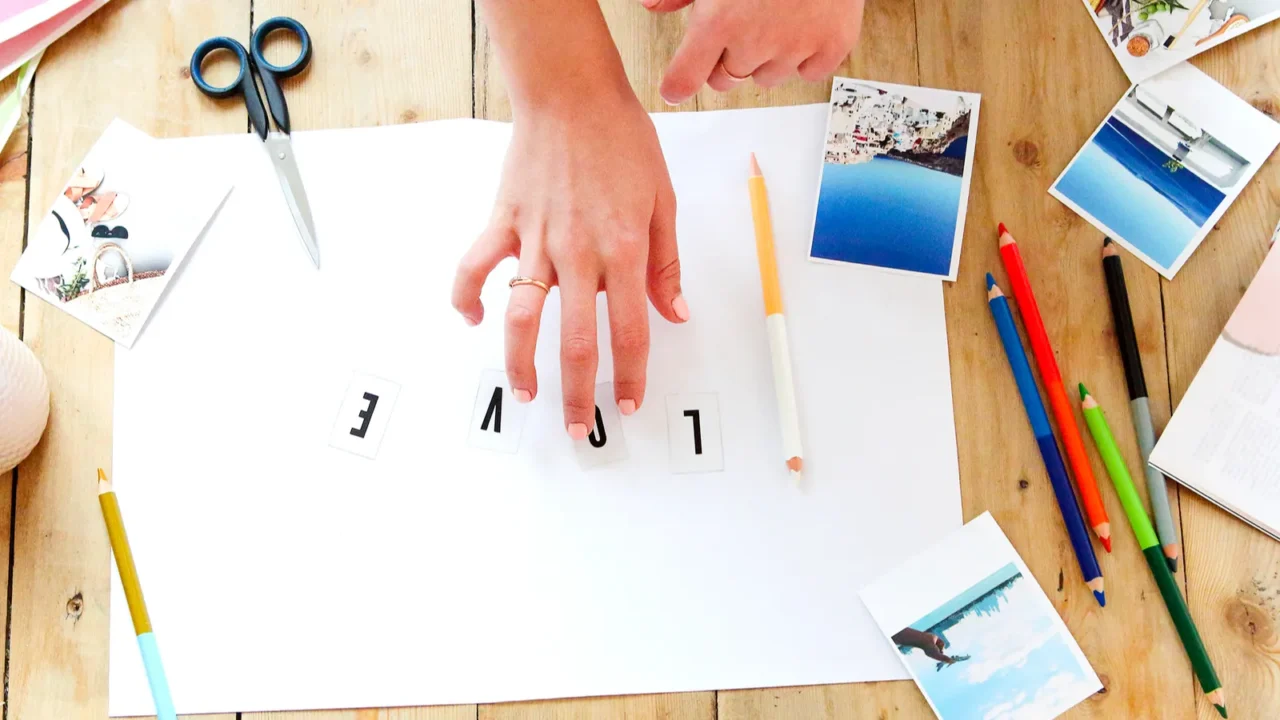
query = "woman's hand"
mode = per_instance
[
  {"x": 586, "y": 204},
  {"x": 727, "y": 41}
]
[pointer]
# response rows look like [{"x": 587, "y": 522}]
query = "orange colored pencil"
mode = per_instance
[
  {"x": 1051, "y": 376},
  {"x": 776, "y": 322}
]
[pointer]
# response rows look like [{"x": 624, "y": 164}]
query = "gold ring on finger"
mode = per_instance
[{"x": 522, "y": 280}]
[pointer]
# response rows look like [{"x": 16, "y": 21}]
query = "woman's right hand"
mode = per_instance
[{"x": 586, "y": 204}]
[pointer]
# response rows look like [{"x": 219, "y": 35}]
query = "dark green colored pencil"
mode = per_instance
[{"x": 1150, "y": 544}]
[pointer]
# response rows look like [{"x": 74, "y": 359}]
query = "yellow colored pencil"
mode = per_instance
[
  {"x": 776, "y": 322},
  {"x": 133, "y": 596}
]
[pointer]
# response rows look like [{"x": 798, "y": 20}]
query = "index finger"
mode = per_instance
[
  {"x": 692, "y": 65},
  {"x": 579, "y": 356}
]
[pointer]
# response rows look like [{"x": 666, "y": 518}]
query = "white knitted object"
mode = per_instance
[{"x": 24, "y": 401}]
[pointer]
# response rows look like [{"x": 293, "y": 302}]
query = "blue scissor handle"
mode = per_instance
[
  {"x": 272, "y": 74},
  {"x": 253, "y": 61},
  {"x": 270, "y": 26},
  {"x": 243, "y": 83},
  {"x": 202, "y": 52}
]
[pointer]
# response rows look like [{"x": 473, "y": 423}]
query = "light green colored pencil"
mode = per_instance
[{"x": 1151, "y": 549}]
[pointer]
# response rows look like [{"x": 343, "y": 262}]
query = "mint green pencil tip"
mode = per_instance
[{"x": 1084, "y": 392}]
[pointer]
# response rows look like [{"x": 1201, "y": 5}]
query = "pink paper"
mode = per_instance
[{"x": 20, "y": 48}]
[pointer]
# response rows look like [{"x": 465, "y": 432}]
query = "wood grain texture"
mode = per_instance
[
  {"x": 451, "y": 712},
  {"x": 1041, "y": 101},
  {"x": 670, "y": 706},
  {"x": 1047, "y": 80},
  {"x": 867, "y": 701},
  {"x": 58, "y": 642},
  {"x": 1232, "y": 570},
  {"x": 374, "y": 62},
  {"x": 14, "y": 166},
  {"x": 13, "y": 199}
]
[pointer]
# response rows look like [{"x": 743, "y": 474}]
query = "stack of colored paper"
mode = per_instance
[{"x": 27, "y": 27}]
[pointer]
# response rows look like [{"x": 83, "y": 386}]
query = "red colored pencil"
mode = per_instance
[{"x": 1051, "y": 376}]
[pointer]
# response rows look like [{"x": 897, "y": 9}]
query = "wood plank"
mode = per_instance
[
  {"x": 1041, "y": 100},
  {"x": 864, "y": 701},
  {"x": 1233, "y": 571},
  {"x": 374, "y": 63},
  {"x": 14, "y": 165},
  {"x": 669, "y": 706},
  {"x": 13, "y": 203},
  {"x": 451, "y": 712},
  {"x": 129, "y": 59}
]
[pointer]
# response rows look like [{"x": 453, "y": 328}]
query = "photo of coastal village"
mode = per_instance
[
  {"x": 867, "y": 122},
  {"x": 895, "y": 177}
]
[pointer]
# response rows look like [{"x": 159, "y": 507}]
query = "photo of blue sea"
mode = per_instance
[
  {"x": 889, "y": 213},
  {"x": 1125, "y": 182}
]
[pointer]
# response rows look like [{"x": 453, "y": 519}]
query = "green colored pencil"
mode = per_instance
[{"x": 1151, "y": 549}]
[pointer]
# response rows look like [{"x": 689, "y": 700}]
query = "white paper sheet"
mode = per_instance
[{"x": 282, "y": 573}]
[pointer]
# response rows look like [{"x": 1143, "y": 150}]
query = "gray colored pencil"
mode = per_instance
[
  {"x": 1165, "y": 527},
  {"x": 1138, "y": 404}
]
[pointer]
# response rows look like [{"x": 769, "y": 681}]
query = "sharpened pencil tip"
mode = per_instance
[
  {"x": 1106, "y": 241},
  {"x": 1003, "y": 229},
  {"x": 1084, "y": 392},
  {"x": 1101, "y": 597},
  {"x": 1106, "y": 543},
  {"x": 1222, "y": 710},
  {"x": 991, "y": 281},
  {"x": 102, "y": 477},
  {"x": 755, "y": 165},
  {"x": 1172, "y": 563}
]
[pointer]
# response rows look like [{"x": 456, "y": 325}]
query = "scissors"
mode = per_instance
[{"x": 277, "y": 142}]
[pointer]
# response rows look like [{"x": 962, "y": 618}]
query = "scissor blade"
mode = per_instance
[{"x": 280, "y": 148}]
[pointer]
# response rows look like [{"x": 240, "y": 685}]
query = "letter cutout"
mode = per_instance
[
  {"x": 606, "y": 443},
  {"x": 693, "y": 433},
  {"x": 497, "y": 420},
  {"x": 364, "y": 415}
]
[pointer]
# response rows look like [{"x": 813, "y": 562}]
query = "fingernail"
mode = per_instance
[
  {"x": 650, "y": 3},
  {"x": 669, "y": 101},
  {"x": 522, "y": 395},
  {"x": 680, "y": 308},
  {"x": 471, "y": 322},
  {"x": 626, "y": 406},
  {"x": 578, "y": 431}
]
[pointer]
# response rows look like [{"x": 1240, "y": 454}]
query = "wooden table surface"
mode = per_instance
[{"x": 1047, "y": 80}]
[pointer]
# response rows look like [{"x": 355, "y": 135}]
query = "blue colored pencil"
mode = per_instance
[{"x": 1039, "y": 418}]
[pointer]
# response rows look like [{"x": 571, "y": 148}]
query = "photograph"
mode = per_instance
[
  {"x": 1150, "y": 36},
  {"x": 895, "y": 177},
  {"x": 977, "y": 633},
  {"x": 1166, "y": 163},
  {"x": 120, "y": 226}
]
